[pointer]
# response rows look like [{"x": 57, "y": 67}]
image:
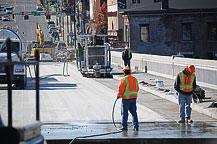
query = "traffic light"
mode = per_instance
[
  {"x": 48, "y": 16},
  {"x": 26, "y": 16}
]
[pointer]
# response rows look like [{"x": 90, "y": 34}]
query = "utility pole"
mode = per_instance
[
  {"x": 63, "y": 26},
  {"x": 74, "y": 25},
  {"x": 56, "y": 14}
]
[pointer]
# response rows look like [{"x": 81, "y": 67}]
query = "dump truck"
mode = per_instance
[
  {"x": 18, "y": 52},
  {"x": 95, "y": 60}
]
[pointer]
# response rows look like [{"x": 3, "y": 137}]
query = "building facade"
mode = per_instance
[
  {"x": 116, "y": 25},
  {"x": 188, "y": 27}
]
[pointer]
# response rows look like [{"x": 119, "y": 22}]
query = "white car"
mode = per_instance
[
  {"x": 39, "y": 8},
  {"x": 52, "y": 29},
  {"x": 9, "y": 10},
  {"x": 51, "y": 26}
]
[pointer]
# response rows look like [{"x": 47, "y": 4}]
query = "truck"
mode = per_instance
[
  {"x": 95, "y": 60},
  {"x": 17, "y": 54}
]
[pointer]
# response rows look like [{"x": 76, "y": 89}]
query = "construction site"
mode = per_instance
[{"x": 61, "y": 84}]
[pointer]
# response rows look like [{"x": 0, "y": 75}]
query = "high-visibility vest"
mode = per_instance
[
  {"x": 186, "y": 82},
  {"x": 128, "y": 53},
  {"x": 131, "y": 89}
]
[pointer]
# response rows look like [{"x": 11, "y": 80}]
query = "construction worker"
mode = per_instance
[
  {"x": 185, "y": 84},
  {"x": 127, "y": 90},
  {"x": 126, "y": 56},
  {"x": 80, "y": 53}
]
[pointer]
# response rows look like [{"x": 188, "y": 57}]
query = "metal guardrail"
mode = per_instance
[{"x": 165, "y": 66}]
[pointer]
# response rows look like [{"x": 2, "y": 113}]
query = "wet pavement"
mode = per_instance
[
  {"x": 202, "y": 130},
  {"x": 148, "y": 130}
]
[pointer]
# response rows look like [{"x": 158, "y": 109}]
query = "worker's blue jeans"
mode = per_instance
[
  {"x": 185, "y": 105},
  {"x": 127, "y": 63},
  {"x": 129, "y": 105}
]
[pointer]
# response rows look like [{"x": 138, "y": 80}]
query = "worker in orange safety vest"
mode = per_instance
[
  {"x": 185, "y": 84},
  {"x": 128, "y": 90}
]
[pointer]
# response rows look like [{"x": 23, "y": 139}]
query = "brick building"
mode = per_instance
[
  {"x": 168, "y": 27},
  {"x": 115, "y": 19}
]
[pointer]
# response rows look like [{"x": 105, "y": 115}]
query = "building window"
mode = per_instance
[
  {"x": 186, "y": 32},
  {"x": 144, "y": 33},
  {"x": 135, "y": 1},
  {"x": 212, "y": 31}
]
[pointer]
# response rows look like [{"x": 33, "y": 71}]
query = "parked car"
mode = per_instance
[
  {"x": 6, "y": 18},
  {"x": 51, "y": 25},
  {"x": 60, "y": 58},
  {"x": 50, "y": 22},
  {"x": 39, "y": 8},
  {"x": 52, "y": 29},
  {"x": 9, "y": 10}
]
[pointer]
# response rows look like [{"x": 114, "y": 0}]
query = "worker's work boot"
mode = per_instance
[
  {"x": 135, "y": 129},
  {"x": 189, "y": 121},
  {"x": 124, "y": 129},
  {"x": 181, "y": 121}
]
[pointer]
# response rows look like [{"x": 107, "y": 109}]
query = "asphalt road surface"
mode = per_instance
[{"x": 77, "y": 98}]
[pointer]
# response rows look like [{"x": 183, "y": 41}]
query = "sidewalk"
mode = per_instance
[{"x": 167, "y": 91}]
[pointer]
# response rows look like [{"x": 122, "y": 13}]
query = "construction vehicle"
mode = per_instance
[
  {"x": 18, "y": 52},
  {"x": 95, "y": 60},
  {"x": 46, "y": 50}
]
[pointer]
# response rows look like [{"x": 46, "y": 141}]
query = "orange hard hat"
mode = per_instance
[
  {"x": 190, "y": 68},
  {"x": 126, "y": 68}
]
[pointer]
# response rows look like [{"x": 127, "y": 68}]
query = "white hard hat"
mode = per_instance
[{"x": 126, "y": 48}]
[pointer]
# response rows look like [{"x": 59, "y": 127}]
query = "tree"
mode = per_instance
[{"x": 100, "y": 21}]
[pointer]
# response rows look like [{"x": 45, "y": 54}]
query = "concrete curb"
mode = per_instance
[{"x": 201, "y": 107}]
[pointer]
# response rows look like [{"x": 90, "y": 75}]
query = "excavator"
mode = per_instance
[{"x": 46, "y": 51}]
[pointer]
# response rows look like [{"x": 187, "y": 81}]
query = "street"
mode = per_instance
[
  {"x": 68, "y": 98},
  {"x": 71, "y": 98},
  {"x": 76, "y": 98}
]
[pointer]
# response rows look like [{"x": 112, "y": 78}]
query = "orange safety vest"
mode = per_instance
[
  {"x": 130, "y": 87},
  {"x": 186, "y": 82}
]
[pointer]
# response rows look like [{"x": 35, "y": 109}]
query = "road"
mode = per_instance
[
  {"x": 73, "y": 98},
  {"x": 26, "y": 28},
  {"x": 79, "y": 99}
]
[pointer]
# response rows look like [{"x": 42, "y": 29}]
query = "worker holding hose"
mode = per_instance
[{"x": 127, "y": 90}]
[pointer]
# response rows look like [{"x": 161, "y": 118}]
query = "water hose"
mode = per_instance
[
  {"x": 65, "y": 66},
  {"x": 102, "y": 134},
  {"x": 113, "y": 111}
]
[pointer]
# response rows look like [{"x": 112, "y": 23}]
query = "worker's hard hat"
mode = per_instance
[
  {"x": 126, "y": 68},
  {"x": 127, "y": 48},
  {"x": 5, "y": 25},
  {"x": 190, "y": 68}
]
